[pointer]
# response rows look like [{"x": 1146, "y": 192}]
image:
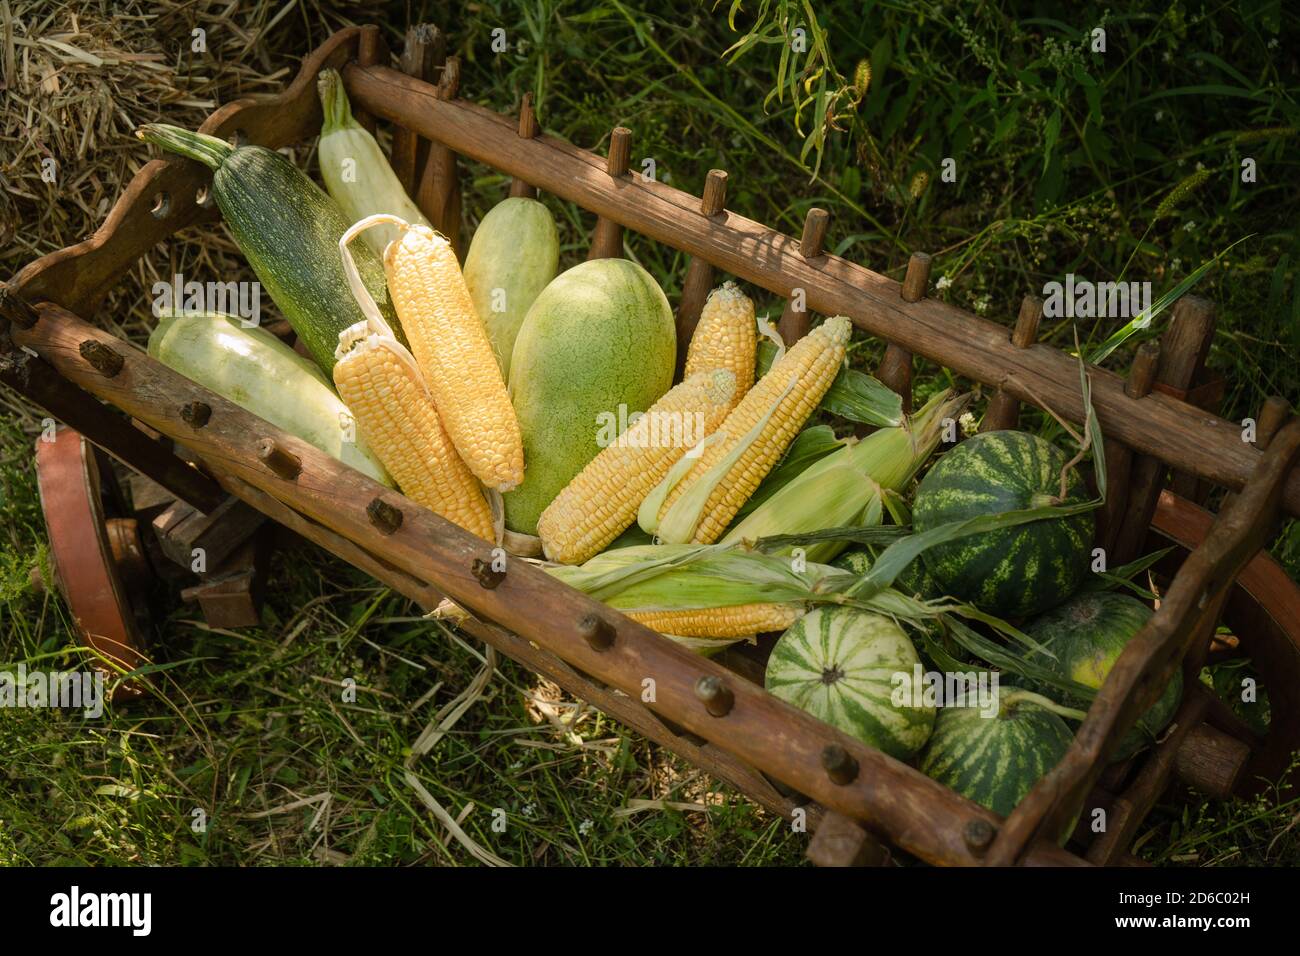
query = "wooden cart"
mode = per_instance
[{"x": 1164, "y": 452}]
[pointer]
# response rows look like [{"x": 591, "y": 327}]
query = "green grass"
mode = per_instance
[{"x": 1067, "y": 161}]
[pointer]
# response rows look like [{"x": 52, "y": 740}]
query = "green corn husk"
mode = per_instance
[
  {"x": 849, "y": 486},
  {"x": 698, "y": 577}
]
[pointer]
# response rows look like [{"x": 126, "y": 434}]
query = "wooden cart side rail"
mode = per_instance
[
  {"x": 619, "y": 706},
  {"x": 896, "y": 801},
  {"x": 1180, "y": 434},
  {"x": 1156, "y": 651},
  {"x": 163, "y": 196}
]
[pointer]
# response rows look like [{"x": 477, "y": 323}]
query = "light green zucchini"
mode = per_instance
[
  {"x": 354, "y": 169},
  {"x": 513, "y": 256}
]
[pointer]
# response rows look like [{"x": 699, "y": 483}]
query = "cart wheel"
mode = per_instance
[
  {"x": 1263, "y": 613},
  {"x": 97, "y": 560}
]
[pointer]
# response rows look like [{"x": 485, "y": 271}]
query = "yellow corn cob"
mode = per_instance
[
  {"x": 795, "y": 384},
  {"x": 602, "y": 500},
  {"x": 725, "y": 337},
  {"x": 398, "y": 420},
  {"x": 454, "y": 354},
  {"x": 741, "y": 620}
]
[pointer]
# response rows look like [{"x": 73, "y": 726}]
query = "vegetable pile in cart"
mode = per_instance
[{"x": 770, "y": 488}]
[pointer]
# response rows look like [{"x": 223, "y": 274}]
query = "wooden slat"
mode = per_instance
[
  {"x": 1004, "y": 411},
  {"x": 1119, "y": 457},
  {"x": 370, "y": 52},
  {"x": 699, "y": 274},
  {"x": 794, "y": 322},
  {"x": 915, "y": 813},
  {"x": 895, "y": 368},
  {"x": 421, "y": 57},
  {"x": 528, "y": 128},
  {"x": 1182, "y": 354},
  {"x": 970, "y": 346},
  {"x": 607, "y": 239},
  {"x": 438, "y": 194}
]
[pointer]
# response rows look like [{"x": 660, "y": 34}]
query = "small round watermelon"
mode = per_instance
[
  {"x": 1014, "y": 572},
  {"x": 1086, "y": 634},
  {"x": 840, "y": 665},
  {"x": 914, "y": 580},
  {"x": 857, "y": 560},
  {"x": 995, "y": 760}
]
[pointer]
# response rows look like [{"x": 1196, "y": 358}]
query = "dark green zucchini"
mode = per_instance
[{"x": 289, "y": 230}]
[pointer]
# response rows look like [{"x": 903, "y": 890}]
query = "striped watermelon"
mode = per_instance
[
  {"x": 995, "y": 760},
  {"x": 914, "y": 580},
  {"x": 1014, "y": 572},
  {"x": 839, "y": 664},
  {"x": 1086, "y": 634}
]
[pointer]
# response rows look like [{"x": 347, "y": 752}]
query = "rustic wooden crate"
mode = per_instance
[{"x": 714, "y": 712}]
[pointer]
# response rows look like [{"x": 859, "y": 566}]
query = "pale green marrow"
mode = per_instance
[
  {"x": 513, "y": 256},
  {"x": 259, "y": 373}
]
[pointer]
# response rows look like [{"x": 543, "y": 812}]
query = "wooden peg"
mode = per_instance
[
  {"x": 420, "y": 59},
  {"x": 718, "y": 698},
  {"x": 597, "y": 632},
  {"x": 488, "y": 577},
  {"x": 15, "y": 308},
  {"x": 977, "y": 835},
  {"x": 895, "y": 370},
  {"x": 384, "y": 517},
  {"x": 607, "y": 240},
  {"x": 1211, "y": 761},
  {"x": 528, "y": 129},
  {"x": 449, "y": 81},
  {"x": 101, "y": 357},
  {"x": 196, "y": 414},
  {"x": 699, "y": 273},
  {"x": 1273, "y": 414},
  {"x": 280, "y": 460},
  {"x": 839, "y": 765},
  {"x": 1142, "y": 373},
  {"x": 794, "y": 322},
  {"x": 439, "y": 193},
  {"x": 1004, "y": 409}
]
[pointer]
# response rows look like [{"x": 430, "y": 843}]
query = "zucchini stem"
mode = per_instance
[
  {"x": 208, "y": 150},
  {"x": 334, "y": 103},
  {"x": 1010, "y": 700}
]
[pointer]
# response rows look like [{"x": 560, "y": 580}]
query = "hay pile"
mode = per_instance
[{"x": 77, "y": 78}]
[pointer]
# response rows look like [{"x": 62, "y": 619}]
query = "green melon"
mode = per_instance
[
  {"x": 840, "y": 665},
  {"x": 995, "y": 760},
  {"x": 1087, "y": 634},
  {"x": 598, "y": 344},
  {"x": 1014, "y": 572},
  {"x": 857, "y": 560},
  {"x": 914, "y": 580}
]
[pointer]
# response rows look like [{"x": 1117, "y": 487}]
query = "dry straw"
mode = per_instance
[{"x": 76, "y": 79}]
